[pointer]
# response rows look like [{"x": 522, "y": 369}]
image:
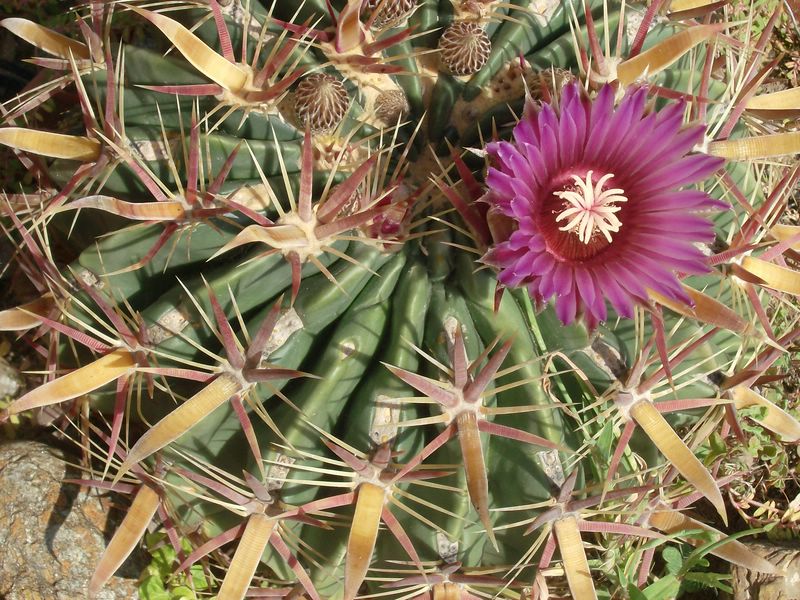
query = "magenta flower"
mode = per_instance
[{"x": 592, "y": 202}]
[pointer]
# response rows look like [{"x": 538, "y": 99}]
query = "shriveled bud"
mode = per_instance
[
  {"x": 391, "y": 105},
  {"x": 390, "y": 11},
  {"x": 321, "y": 101},
  {"x": 464, "y": 47}
]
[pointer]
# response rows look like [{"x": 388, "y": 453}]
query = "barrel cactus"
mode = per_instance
[{"x": 408, "y": 298}]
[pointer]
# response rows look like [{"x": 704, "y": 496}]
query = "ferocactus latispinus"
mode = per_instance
[{"x": 595, "y": 203}]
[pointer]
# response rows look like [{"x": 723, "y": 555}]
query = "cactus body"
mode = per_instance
[{"x": 298, "y": 275}]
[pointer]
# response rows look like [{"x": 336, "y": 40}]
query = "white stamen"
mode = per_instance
[{"x": 591, "y": 208}]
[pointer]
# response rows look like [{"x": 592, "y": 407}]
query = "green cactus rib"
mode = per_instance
[
  {"x": 455, "y": 518},
  {"x": 346, "y": 357},
  {"x": 363, "y": 270},
  {"x": 108, "y": 259}
]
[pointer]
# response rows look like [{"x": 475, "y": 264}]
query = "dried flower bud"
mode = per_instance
[
  {"x": 464, "y": 47},
  {"x": 321, "y": 101},
  {"x": 390, "y": 11},
  {"x": 391, "y": 105}
]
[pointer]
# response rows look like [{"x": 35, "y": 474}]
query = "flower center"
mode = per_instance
[{"x": 590, "y": 208}]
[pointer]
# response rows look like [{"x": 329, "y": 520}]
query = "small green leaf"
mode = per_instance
[
  {"x": 603, "y": 595},
  {"x": 718, "y": 444},
  {"x": 769, "y": 452},
  {"x": 164, "y": 559},
  {"x": 674, "y": 559},
  {"x": 162, "y": 583},
  {"x": 665, "y": 588},
  {"x": 605, "y": 440},
  {"x": 182, "y": 593},
  {"x": 712, "y": 580},
  {"x": 754, "y": 446},
  {"x": 634, "y": 593},
  {"x": 152, "y": 588},
  {"x": 198, "y": 577}
]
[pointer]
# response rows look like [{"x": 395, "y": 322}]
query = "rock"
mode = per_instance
[
  {"x": 52, "y": 534},
  {"x": 749, "y": 585},
  {"x": 10, "y": 380}
]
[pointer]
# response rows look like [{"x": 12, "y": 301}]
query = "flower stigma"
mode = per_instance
[{"x": 590, "y": 208}]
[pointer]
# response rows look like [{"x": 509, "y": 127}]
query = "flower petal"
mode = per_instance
[{"x": 650, "y": 227}]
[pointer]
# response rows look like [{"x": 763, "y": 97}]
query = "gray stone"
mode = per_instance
[
  {"x": 52, "y": 534},
  {"x": 10, "y": 379},
  {"x": 749, "y": 585}
]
